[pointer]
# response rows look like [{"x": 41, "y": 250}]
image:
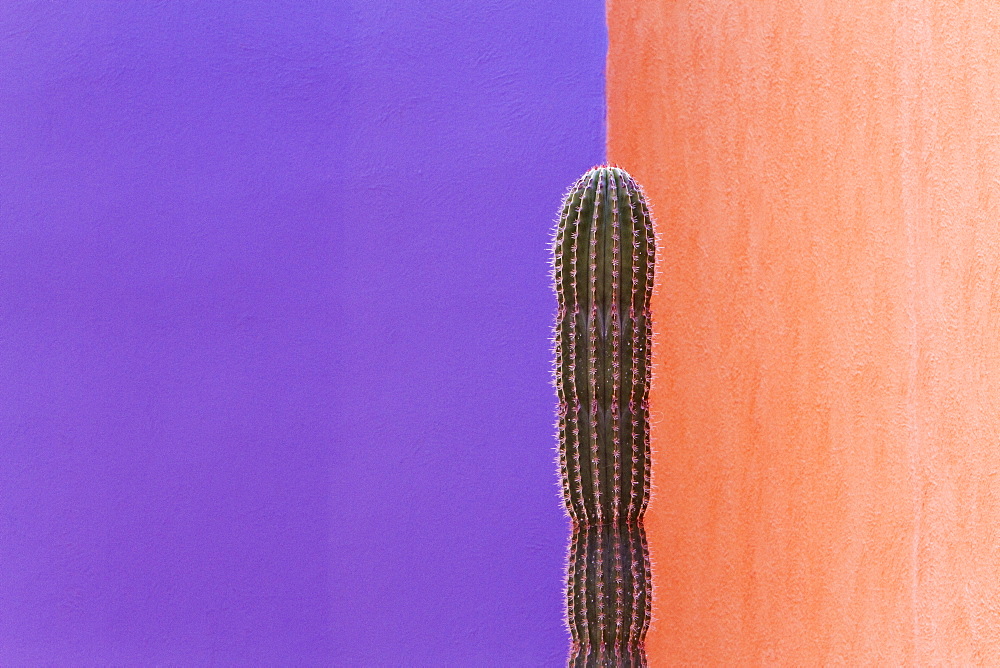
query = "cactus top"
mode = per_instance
[{"x": 603, "y": 272}]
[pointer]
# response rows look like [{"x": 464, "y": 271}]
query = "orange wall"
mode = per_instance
[{"x": 826, "y": 183}]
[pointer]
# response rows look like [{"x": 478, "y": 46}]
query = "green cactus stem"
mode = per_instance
[{"x": 603, "y": 271}]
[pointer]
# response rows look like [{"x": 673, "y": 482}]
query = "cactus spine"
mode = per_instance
[{"x": 603, "y": 271}]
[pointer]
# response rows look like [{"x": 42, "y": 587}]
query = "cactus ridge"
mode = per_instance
[{"x": 603, "y": 259}]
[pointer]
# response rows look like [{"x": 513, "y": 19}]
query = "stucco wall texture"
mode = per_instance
[
  {"x": 275, "y": 321},
  {"x": 826, "y": 404}
]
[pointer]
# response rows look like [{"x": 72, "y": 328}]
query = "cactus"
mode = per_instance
[{"x": 603, "y": 272}]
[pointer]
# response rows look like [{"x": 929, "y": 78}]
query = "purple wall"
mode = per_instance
[{"x": 274, "y": 320}]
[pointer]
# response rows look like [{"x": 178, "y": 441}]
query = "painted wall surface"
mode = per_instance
[
  {"x": 467, "y": 123},
  {"x": 826, "y": 398},
  {"x": 274, "y": 329}
]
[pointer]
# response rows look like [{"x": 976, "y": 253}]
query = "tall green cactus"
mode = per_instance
[{"x": 603, "y": 261}]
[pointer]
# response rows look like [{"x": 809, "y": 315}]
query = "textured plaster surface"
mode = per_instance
[
  {"x": 274, "y": 329},
  {"x": 826, "y": 397},
  {"x": 466, "y": 124}
]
